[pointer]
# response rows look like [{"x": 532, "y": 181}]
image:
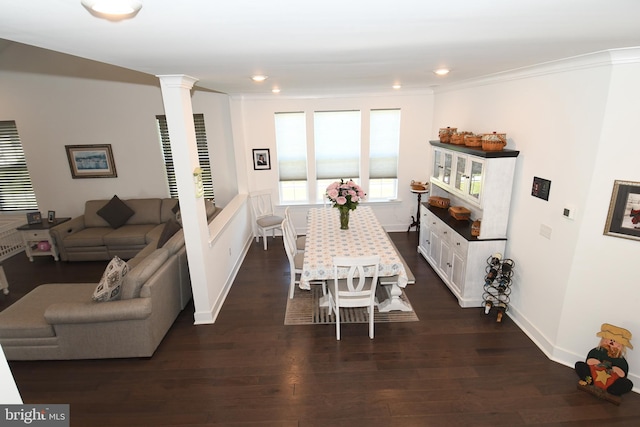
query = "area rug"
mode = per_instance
[{"x": 304, "y": 309}]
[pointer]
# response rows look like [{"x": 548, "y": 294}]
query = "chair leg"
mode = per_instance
[
  {"x": 292, "y": 288},
  {"x": 264, "y": 239},
  {"x": 371, "y": 312},
  {"x": 337, "y": 310}
]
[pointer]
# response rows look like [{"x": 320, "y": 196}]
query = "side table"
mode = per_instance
[
  {"x": 33, "y": 234},
  {"x": 415, "y": 222}
]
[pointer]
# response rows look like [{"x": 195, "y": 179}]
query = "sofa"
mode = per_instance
[
  {"x": 61, "y": 321},
  {"x": 96, "y": 235}
]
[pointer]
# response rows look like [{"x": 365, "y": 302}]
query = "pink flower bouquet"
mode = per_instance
[{"x": 345, "y": 194}]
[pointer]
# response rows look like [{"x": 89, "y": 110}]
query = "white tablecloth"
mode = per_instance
[{"x": 365, "y": 237}]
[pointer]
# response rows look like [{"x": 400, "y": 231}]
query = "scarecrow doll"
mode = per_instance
[{"x": 605, "y": 371}]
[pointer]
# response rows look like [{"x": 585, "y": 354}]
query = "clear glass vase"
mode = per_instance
[{"x": 344, "y": 218}]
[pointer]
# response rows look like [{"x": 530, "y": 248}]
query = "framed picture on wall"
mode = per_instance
[
  {"x": 261, "y": 159},
  {"x": 91, "y": 161},
  {"x": 623, "y": 219}
]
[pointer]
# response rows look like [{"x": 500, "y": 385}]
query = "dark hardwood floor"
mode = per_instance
[{"x": 455, "y": 367}]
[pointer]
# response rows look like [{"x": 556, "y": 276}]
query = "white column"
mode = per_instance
[{"x": 176, "y": 96}]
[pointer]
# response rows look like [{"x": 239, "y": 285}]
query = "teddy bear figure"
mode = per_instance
[{"x": 606, "y": 367}]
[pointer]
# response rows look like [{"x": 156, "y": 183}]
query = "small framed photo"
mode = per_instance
[
  {"x": 261, "y": 159},
  {"x": 91, "y": 161},
  {"x": 623, "y": 219},
  {"x": 34, "y": 218},
  {"x": 51, "y": 216}
]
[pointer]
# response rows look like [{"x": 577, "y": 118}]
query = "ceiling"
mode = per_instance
[{"x": 328, "y": 47}]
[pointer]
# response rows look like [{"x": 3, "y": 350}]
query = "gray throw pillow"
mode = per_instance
[
  {"x": 116, "y": 212},
  {"x": 171, "y": 227}
]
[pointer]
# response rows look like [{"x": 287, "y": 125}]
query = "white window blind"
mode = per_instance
[
  {"x": 203, "y": 155},
  {"x": 384, "y": 143},
  {"x": 16, "y": 190},
  {"x": 337, "y": 144},
  {"x": 291, "y": 142}
]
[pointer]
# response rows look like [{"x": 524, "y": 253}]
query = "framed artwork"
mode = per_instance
[
  {"x": 51, "y": 216},
  {"x": 91, "y": 161},
  {"x": 34, "y": 218},
  {"x": 623, "y": 219},
  {"x": 261, "y": 159}
]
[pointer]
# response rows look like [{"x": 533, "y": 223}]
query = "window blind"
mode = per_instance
[
  {"x": 384, "y": 143},
  {"x": 291, "y": 143},
  {"x": 16, "y": 190},
  {"x": 203, "y": 155},
  {"x": 337, "y": 144}
]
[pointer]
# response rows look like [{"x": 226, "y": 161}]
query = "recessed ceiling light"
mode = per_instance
[
  {"x": 441, "y": 71},
  {"x": 397, "y": 86},
  {"x": 275, "y": 90},
  {"x": 114, "y": 10},
  {"x": 259, "y": 78}
]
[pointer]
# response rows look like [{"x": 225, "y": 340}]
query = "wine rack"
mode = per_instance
[{"x": 497, "y": 285}]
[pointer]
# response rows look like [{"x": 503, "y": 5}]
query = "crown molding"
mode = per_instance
[{"x": 581, "y": 62}]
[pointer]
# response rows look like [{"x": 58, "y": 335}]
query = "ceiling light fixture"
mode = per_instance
[
  {"x": 397, "y": 86},
  {"x": 275, "y": 90},
  {"x": 113, "y": 10},
  {"x": 259, "y": 78},
  {"x": 441, "y": 71}
]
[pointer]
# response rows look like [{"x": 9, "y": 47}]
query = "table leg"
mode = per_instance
[
  {"x": 4, "y": 285},
  {"x": 394, "y": 302}
]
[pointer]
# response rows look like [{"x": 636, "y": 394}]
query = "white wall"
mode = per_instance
[
  {"x": 564, "y": 117},
  {"x": 59, "y": 100},
  {"x": 255, "y": 126}
]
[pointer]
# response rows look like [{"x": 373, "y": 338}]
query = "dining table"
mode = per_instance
[{"x": 364, "y": 237}]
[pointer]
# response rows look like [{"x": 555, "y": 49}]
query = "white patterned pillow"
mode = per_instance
[{"x": 110, "y": 285}]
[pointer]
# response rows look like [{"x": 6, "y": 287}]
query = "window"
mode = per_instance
[
  {"x": 333, "y": 148},
  {"x": 203, "y": 155},
  {"x": 291, "y": 143},
  {"x": 383, "y": 154},
  {"x": 16, "y": 190},
  {"x": 337, "y": 147}
]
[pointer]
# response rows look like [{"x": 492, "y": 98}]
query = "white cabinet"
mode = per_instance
[
  {"x": 481, "y": 181},
  {"x": 459, "y": 260}
]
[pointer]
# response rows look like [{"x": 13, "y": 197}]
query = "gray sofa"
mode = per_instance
[
  {"x": 89, "y": 237},
  {"x": 61, "y": 320}
]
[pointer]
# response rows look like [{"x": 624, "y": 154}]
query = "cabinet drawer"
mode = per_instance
[
  {"x": 36, "y": 234},
  {"x": 459, "y": 243}
]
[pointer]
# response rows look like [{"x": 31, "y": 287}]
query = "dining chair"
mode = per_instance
[
  {"x": 356, "y": 290},
  {"x": 296, "y": 260},
  {"x": 263, "y": 215},
  {"x": 300, "y": 240}
]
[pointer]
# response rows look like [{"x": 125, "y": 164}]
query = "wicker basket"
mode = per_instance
[
  {"x": 460, "y": 213},
  {"x": 475, "y": 228},
  {"x": 473, "y": 140},
  {"x": 445, "y": 134},
  {"x": 458, "y": 138},
  {"x": 419, "y": 186},
  {"x": 439, "y": 202},
  {"x": 494, "y": 141}
]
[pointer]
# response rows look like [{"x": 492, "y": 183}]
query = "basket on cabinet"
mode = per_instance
[{"x": 494, "y": 141}]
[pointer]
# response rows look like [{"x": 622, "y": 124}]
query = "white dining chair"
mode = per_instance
[
  {"x": 263, "y": 215},
  {"x": 296, "y": 260},
  {"x": 300, "y": 240},
  {"x": 357, "y": 290}
]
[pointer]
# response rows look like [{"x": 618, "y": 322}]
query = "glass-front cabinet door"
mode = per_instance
[
  {"x": 447, "y": 164},
  {"x": 462, "y": 178},
  {"x": 437, "y": 164},
  {"x": 442, "y": 166},
  {"x": 475, "y": 179}
]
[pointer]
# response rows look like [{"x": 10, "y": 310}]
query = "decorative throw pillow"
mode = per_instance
[
  {"x": 171, "y": 227},
  {"x": 110, "y": 284},
  {"x": 116, "y": 212}
]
